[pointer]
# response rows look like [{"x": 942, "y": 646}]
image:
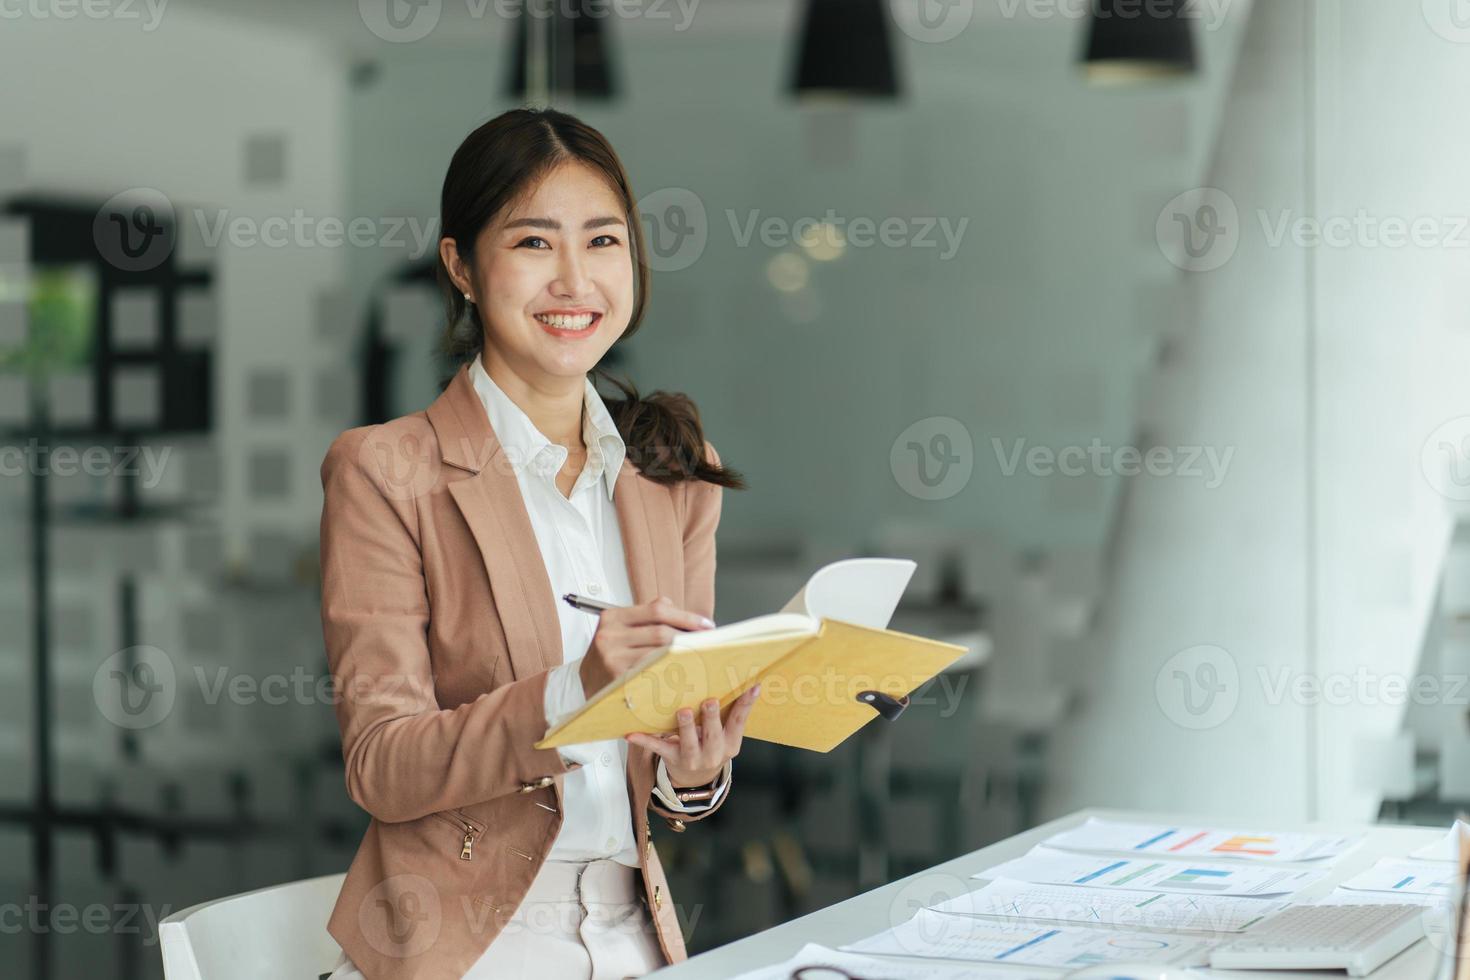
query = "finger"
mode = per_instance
[
  {"x": 651, "y": 635},
  {"x": 749, "y": 696},
  {"x": 735, "y": 723},
  {"x": 742, "y": 706},
  {"x": 668, "y": 750},
  {"x": 662, "y": 610},
  {"x": 688, "y": 739},
  {"x": 712, "y": 745}
]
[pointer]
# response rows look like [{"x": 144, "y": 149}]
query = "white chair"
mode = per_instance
[{"x": 280, "y": 931}]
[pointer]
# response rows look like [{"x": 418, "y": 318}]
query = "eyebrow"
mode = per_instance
[{"x": 554, "y": 225}]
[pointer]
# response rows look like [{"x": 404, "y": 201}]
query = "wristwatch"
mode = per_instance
[
  {"x": 694, "y": 794},
  {"x": 693, "y": 799}
]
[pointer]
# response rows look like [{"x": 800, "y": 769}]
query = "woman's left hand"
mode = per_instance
[{"x": 694, "y": 756}]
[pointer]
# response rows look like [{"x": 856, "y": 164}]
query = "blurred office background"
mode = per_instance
[{"x": 1152, "y": 353}]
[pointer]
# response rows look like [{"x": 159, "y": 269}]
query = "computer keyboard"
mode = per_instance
[{"x": 1355, "y": 938}]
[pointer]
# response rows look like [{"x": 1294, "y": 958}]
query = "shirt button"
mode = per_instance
[
  {"x": 606, "y": 759},
  {"x": 611, "y": 843},
  {"x": 594, "y": 588}
]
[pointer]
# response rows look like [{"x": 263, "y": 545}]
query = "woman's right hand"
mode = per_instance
[{"x": 627, "y": 634}]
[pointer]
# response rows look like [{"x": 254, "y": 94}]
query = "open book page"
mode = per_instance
[
  {"x": 861, "y": 591},
  {"x": 818, "y": 674},
  {"x": 761, "y": 627},
  {"x": 775, "y": 626}
]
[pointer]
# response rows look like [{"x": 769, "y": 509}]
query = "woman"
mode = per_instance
[{"x": 447, "y": 537}]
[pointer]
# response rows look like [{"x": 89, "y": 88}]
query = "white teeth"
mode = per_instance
[{"x": 579, "y": 322}]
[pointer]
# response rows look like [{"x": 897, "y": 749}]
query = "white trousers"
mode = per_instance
[{"x": 579, "y": 921}]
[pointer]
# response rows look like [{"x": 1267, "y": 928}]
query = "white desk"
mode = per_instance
[{"x": 883, "y": 907}]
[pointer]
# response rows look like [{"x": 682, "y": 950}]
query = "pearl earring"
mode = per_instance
[{"x": 468, "y": 298}]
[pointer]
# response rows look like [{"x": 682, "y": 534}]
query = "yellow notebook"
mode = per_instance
[{"x": 826, "y": 663}]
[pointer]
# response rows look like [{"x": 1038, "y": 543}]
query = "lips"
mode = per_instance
[{"x": 569, "y": 327}]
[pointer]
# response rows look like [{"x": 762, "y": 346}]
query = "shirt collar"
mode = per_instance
[{"x": 525, "y": 445}]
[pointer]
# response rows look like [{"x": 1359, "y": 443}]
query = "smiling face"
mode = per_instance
[{"x": 552, "y": 278}]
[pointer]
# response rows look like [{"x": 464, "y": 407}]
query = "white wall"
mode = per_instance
[
  {"x": 1326, "y": 369},
  {"x": 1224, "y": 567},
  {"x": 1392, "y": 350}
]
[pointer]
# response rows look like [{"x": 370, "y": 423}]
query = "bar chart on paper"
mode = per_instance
[
  {"x": 1117, "y": 909},
  {"x": 1109, "y": 835},
  {"x": 1433, "y": 878},
  {"x": 937, "y": 934},
  {"x": 1200, "y": 879},
  {"x": 1044, "y": 866}
]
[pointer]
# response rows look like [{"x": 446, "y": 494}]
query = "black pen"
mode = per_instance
[
  {"x": 593, "y": 605},
  {"x": 585, "y": 604}
]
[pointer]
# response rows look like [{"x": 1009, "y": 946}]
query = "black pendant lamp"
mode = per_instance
[
  {"x": 1131, "y": 41},
  {"x": 561, "y": 53},
  {"x": 845, "y": 51}
]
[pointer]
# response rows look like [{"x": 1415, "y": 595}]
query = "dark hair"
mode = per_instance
[{"x": 495, "y": 168}]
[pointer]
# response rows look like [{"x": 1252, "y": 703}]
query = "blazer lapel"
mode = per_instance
[
  {"x": 638, "y": 547},
  {"x": 490, "y": 501},
  {"x": 653, "y": 543}
]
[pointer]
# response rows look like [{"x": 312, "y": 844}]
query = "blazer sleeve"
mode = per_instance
[
  {"x": 405, "y": 756},
  {"x": 701, "y": 510}
]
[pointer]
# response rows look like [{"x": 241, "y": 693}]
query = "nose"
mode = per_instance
[{"x": 572, "y": 280}]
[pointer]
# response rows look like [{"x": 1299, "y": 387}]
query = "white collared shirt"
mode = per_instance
[{"x": 582, "y": 546}]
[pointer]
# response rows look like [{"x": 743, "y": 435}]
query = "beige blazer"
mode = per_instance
[{"x": 440, "y": 626}]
